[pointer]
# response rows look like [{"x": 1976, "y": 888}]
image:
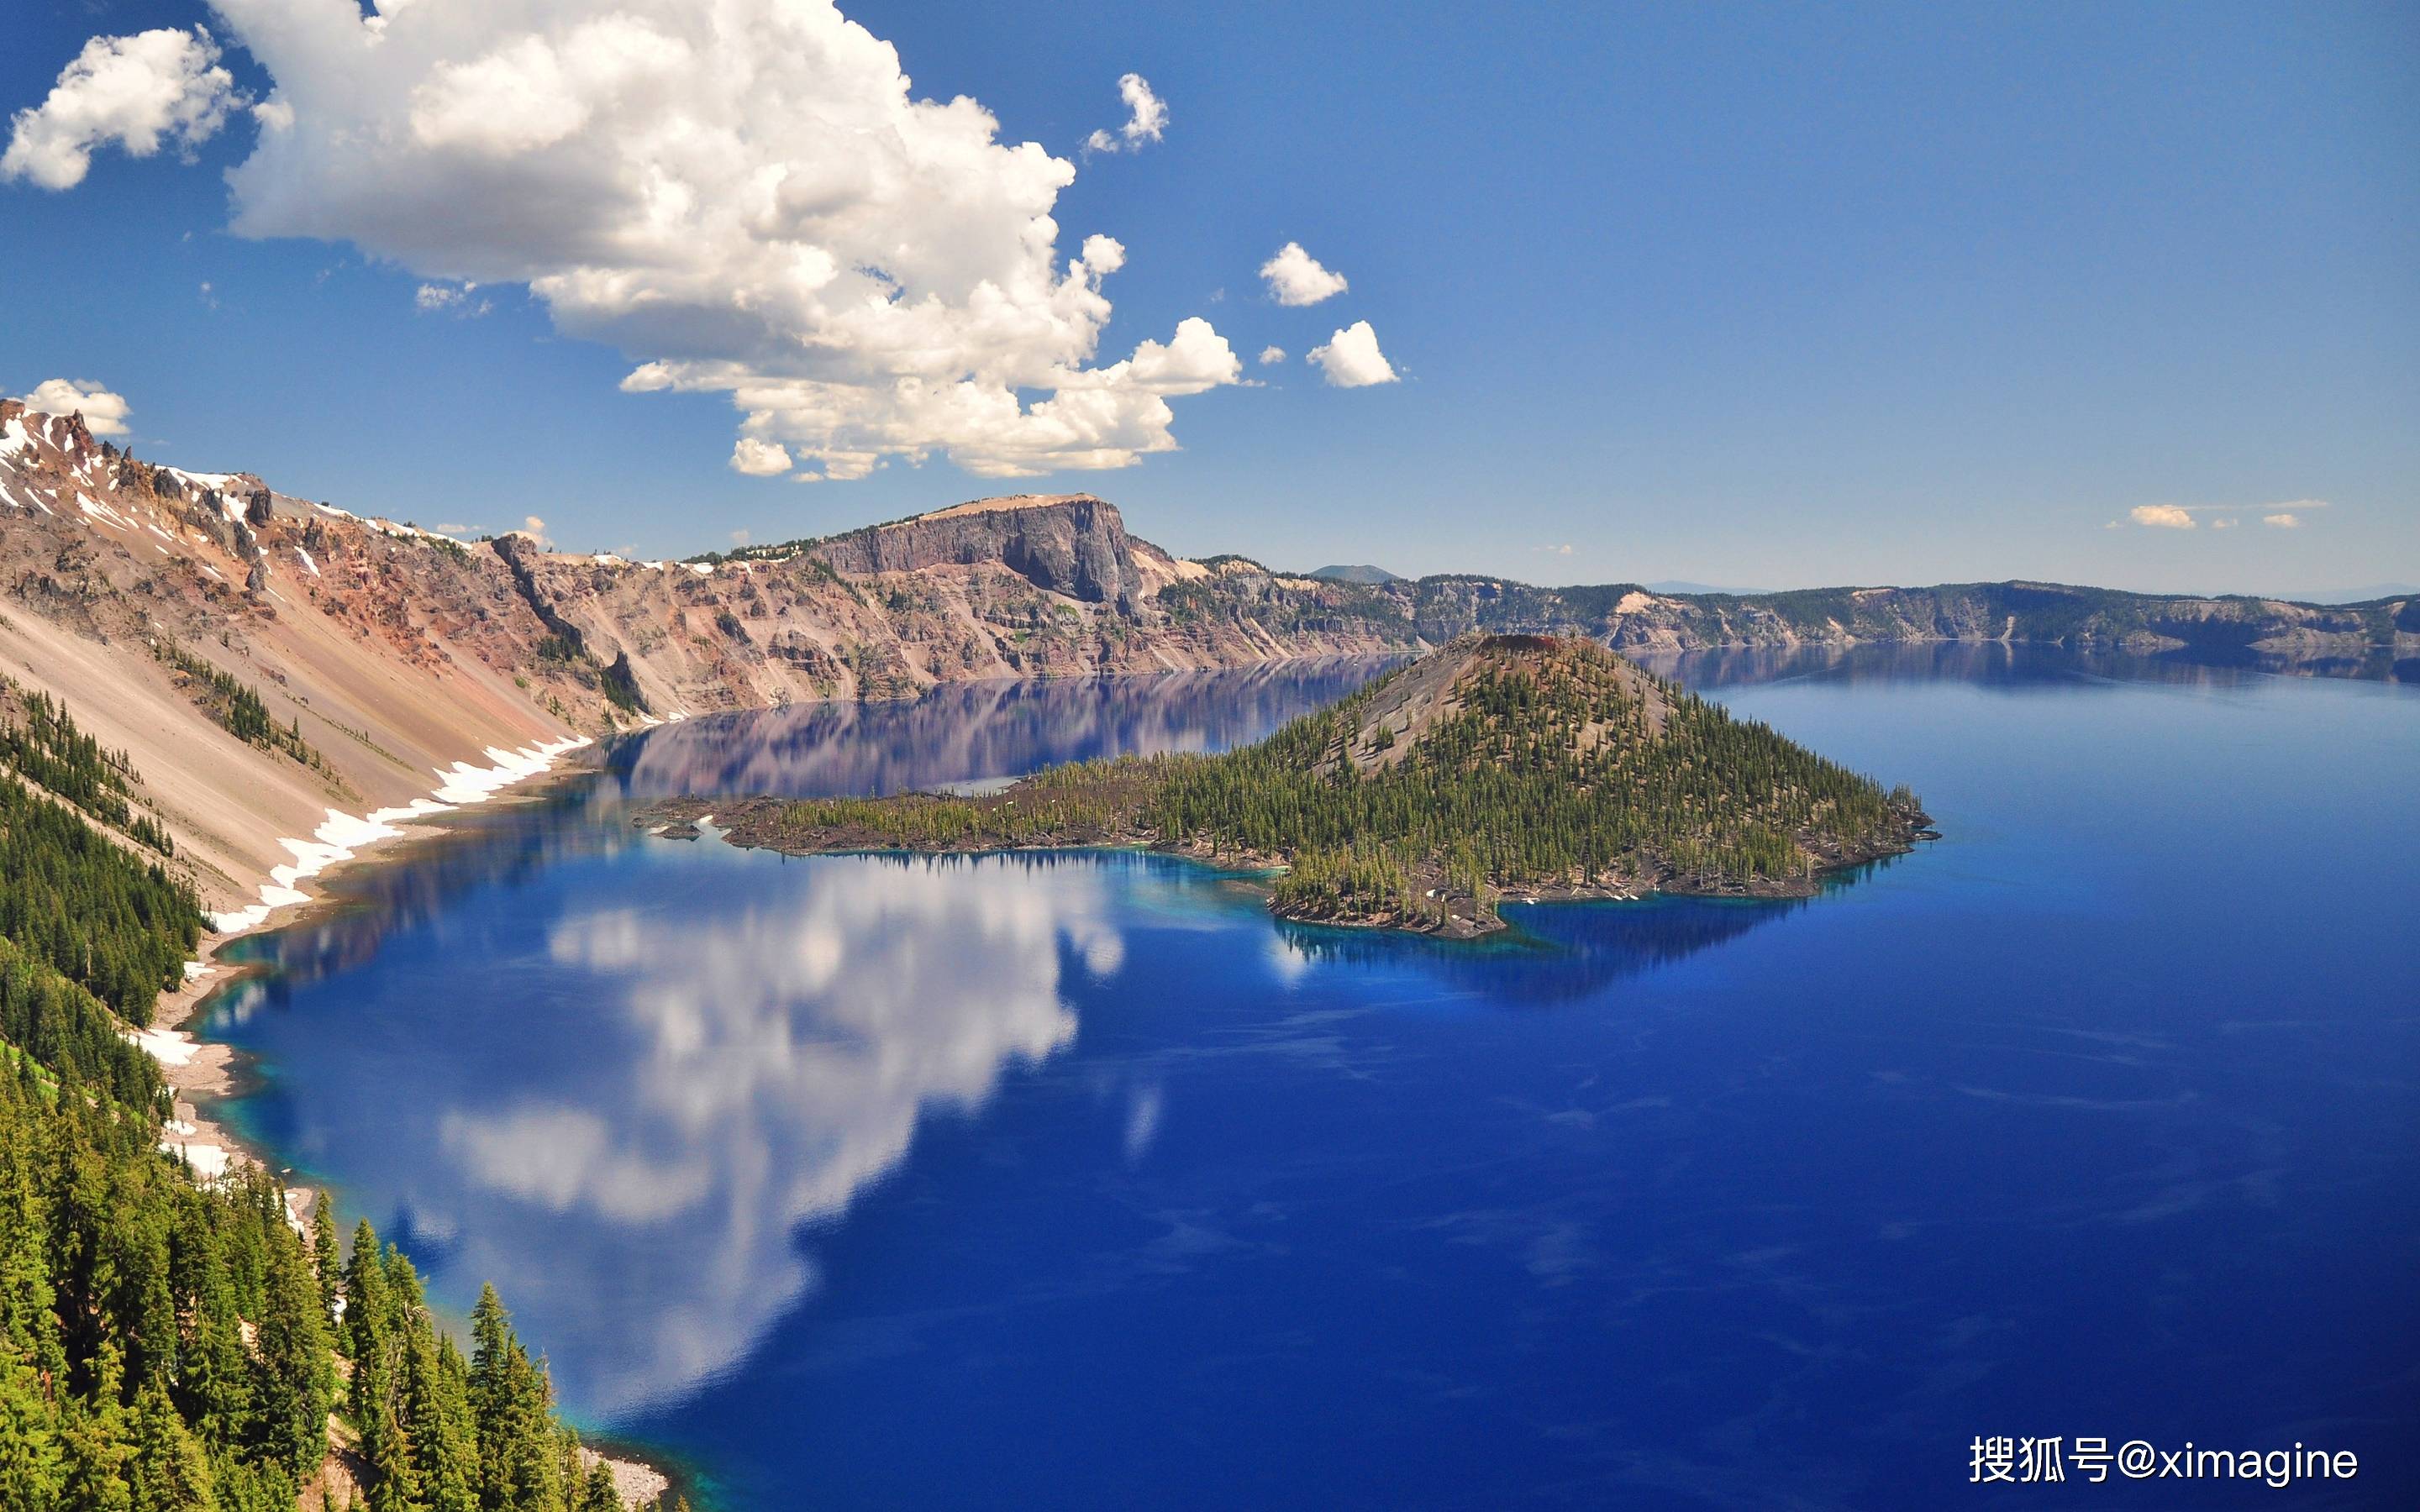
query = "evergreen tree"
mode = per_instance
[{"x": 33, "y": 1471}]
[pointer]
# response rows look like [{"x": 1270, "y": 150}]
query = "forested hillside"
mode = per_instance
[
  {"x": 170, "y": 1343},
  {"x": 1546, "y": 766}
]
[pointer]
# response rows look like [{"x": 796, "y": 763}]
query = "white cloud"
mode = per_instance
[
  {"x": 1350, "y": 358},
  {"x": 449, "y": 299},
  {"x": 2285, "y": 517},
  {"x": 535, "y": 528},
  {"x": 759, "y": 460},
  {"x": 104, "y": 414},
  {"x": 747, "y": 198},
  {"x": 1271, "y": 356},
  {"x": 1295, "y": 277},
  {"x": 2162, "y": 517},
  {"x": 138, "y": 92},
  {"x": 1146, "y": 118}
]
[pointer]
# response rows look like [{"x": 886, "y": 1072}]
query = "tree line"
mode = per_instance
[
  {"x": 171, "y": 1342},
  {"x": 1559, "y": 765}
]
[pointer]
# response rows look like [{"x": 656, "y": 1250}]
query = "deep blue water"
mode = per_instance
[{"x": 1079, "y": 1183}]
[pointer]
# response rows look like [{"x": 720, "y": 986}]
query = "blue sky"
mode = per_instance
[{"x": 1758, "y": 297}]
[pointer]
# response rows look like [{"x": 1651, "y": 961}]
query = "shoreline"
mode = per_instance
[
  {"x": 746, "y": 827},
  {"x": 194, "y": 1067},
  {"x": 199, "y": 1072}
]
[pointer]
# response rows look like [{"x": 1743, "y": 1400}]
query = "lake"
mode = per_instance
[{"x": 1076, "y": 1181}]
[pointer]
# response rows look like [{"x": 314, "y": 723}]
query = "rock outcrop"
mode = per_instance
[{"x": 1073, "y": 544}]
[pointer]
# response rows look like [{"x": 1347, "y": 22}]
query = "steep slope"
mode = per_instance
[
  {"x": 1546, "y": 766},
  {"x": 1019, "y": 587},
  {"x": 293, "y": 677},
  {"x": 271, "y": 665}
]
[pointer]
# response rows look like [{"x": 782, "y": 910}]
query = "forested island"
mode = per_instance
[
  {"x": 1532, "y": 766},
  {"x": 177, "y": 1342}
]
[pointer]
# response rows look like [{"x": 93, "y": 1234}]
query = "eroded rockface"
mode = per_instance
[{"x": 390, "y": 653}]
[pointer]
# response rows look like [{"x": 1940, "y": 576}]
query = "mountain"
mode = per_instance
[
  {"x": 285, "y": 671},
  {"x": 290, "y": 676},
  {"x": 1630, "y": 617},
  {"x": 1361, "y": 573},
  {"x": 1676, "y": 585},
  {"x": 1549, "y": 766}
]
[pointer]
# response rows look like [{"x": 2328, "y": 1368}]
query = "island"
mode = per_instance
[{"x": 1498, "y": 765}]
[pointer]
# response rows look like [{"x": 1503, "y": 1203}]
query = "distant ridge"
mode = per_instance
[
  {"x": 2371, "y": 595},
  {"x": 1357, "y": 573},
  {"x": 1681, "y": 585}
]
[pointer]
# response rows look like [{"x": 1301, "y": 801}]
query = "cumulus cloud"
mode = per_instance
[
  {"x": 1146, "y": 118},
  {"x": 2285, "y": 519},
  {"x": 1271, "y": 356},
  {"x": 139, "y": 92},
  {"x": 747, "y": 198},
  {"x": 535, "y": 528},
  {"x": 1295, "y": 277},
  {"x": 2162, "y": 517},
  {"x": 104, "y": 414},
  {"x": 759, "y": 460},
  {"x": 1350, "y": 358}
]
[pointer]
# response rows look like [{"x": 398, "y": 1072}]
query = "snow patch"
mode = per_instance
[
  {"x": 210, "y": 1162},
  {"x": 169, "y": 1047},
  {"x": 341, "y": 834},
  {"x": 307, "y": 562},
  {"x": 467, "y": 783},
  {"x": 202, "y": 481}
]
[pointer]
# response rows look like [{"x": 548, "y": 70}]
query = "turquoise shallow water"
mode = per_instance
[{"x": 1077, "y": 1181}]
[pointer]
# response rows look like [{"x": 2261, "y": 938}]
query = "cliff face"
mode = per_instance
[
  {"x": 1626, "y": 616},
  {"x": 1072, "y": 545},
  {"x": 152, "y": 600},
  {"x": 1036, "y": 588}
]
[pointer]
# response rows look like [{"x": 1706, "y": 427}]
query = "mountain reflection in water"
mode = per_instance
[{"x": 969, "y": 730}]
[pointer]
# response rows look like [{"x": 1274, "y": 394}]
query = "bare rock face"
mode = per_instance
[{"x": 1073, "y": 544}]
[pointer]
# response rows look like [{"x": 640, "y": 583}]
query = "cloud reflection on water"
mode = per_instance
[{"x": 782, "y": 1056}]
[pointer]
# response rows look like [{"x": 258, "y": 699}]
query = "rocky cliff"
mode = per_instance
[
  {"x": 271, "y": 660},
  {"x": 1072, "y": 545},
  {"x": 2382, "y": 637},
  {"x": 156, "y": 602}
]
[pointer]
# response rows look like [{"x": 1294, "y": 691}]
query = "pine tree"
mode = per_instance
[
  {"x": 169, "y": 1471},
  {"x": 327, "y": 1260},
  {"x": 294, "y": 1384},
  {"x": 33, "y": 1471}
]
